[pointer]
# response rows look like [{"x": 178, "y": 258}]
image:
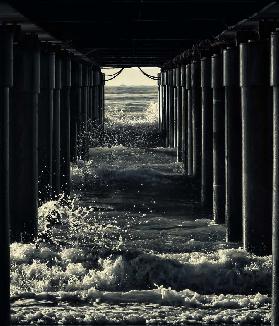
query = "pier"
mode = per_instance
[{"x": 218, "y": 91}]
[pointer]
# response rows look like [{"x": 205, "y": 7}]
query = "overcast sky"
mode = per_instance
[{"x": 132, "y": 76}]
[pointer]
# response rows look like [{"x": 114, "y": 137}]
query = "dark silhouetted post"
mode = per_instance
[
  {"x": 275, "y": 197},
  {"x": 171, "y": 107},
  {"x": 159, "y": 102},
  {"x": 218, "y": 138},
  {"x": 207, "y": 135},
  {"x": 189, "y": 121},
  {"x": 65, "y": 124},
  {"x": 91, "y": 96},
  {"x": 196, "y": 117},
  {"x": 178, "y": 115},
  {"x": 166, "y": 106},
  {"x": 24, "y": 140},
  {"x": 256, "y": 106},
  {"x": 102, "y": 101},
  {"x": 233, "y": 207},
  {"x": 184, "y": 118},
  {"x": 45, "y": 122},
  {"x": 75, "y": 109},
  {"x": 175, "y": 104},
  {"x": 6, "y": 82},
  {"x": 84, "y": 112},
  {"x": 56, "y": 186},
  {"x": 97, "y": 104}
]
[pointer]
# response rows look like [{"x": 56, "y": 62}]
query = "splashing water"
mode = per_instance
[{"x": 129, "y": 246}]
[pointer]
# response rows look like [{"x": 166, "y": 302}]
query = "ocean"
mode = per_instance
[{"x": 130, "y": 246}]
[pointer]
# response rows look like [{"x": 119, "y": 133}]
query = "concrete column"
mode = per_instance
[
  {"x": 206, "y": 135},
  {"x": 233, "y": 207},
  {"x": 6, "y": 82},
  {"x": 178, "y": 115},
  {"x": 189, "y": 121},
  {"x": 56, "y": 186},
  {"x": 65, "y": 176},
  {"x": 218, "y": 138},
  {"x": 45, "y": 122},
  {"x": 275, "y": 195},
  {"x": 184, "y": 118},
  {"x": 256, "y": 106},
  {"x": 24, "y": 141},
  {"x": 76, "y": 104},
  {"x": 196, "y": 117}
]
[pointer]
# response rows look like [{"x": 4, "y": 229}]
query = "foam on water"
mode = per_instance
[{"x": 129, "y": 247}]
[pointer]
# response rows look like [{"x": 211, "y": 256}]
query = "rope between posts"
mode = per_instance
[
  {"x": 147, "y": 75},
  {"x": 115, "y": 75}
]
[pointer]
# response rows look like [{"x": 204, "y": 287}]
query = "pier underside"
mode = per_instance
[{"x": 148, "y": 206}]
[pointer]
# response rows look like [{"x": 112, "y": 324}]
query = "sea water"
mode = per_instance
[{"x": 130, "y": 247}]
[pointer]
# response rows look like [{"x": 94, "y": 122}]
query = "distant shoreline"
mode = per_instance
[{"x": 147, "y": 86}]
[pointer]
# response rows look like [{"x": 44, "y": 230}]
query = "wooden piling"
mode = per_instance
[
  {"x": 84, "y": 112},
  {"x": 256, "y": 109},
  {"x": 275, "y": 195},
  {"x": 6, "y": 82},
  {"x": 206, "y": 135},
  {"x": 218, "y": 138},
  {"x": 196, "y": 118},
  {"x": 184, "y": 118},
  {"x": 56, "y": 185},
  {"x": 65, "y": 124},
  {"x": 76, "y": 104},
  {"x": 189, "y": 121},
  {"x": 175, "y": 107},
  {"x": 91, "y": 97},
  {"x": 160, "y": 103},
  {"x": 233, "y": 161},
  {"x": 171, "y": 108},
  {"x": 178, "y": 115},
  {"x": 45, "y": 122},
  {"x": 102, "y": 93},
  {"x": 166, "y": 107},
  {"x": 24, "y": 140},
  {"x": 97, "y": 104}
]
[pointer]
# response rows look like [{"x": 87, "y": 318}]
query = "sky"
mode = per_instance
[{"x": 132, "y": 76}]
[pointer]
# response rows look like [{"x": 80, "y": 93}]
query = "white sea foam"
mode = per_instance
[{"x": 129, "y": 247}]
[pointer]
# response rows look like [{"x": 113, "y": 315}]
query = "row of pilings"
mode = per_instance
[
  {"x": 220, "y": 110},
  {"x": 48, "y": 96}
]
